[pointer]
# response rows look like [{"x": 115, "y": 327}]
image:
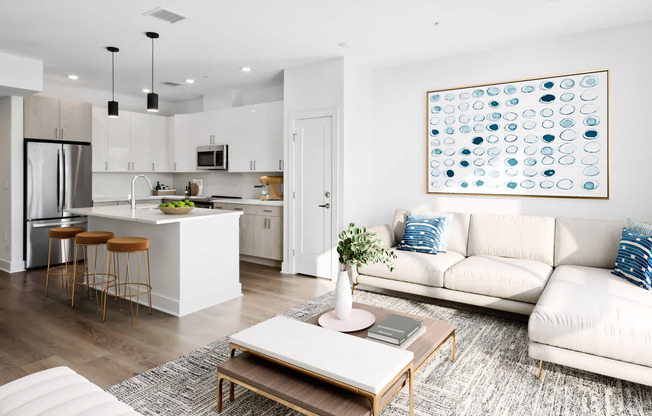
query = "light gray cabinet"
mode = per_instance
[
  {"x": 55, "y": 119},
  {"x": 261, "y": 229}
]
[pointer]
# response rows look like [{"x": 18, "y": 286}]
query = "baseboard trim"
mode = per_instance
[
  {"x": 12, "y": 267},
  {"x": 260, "y": 260}
]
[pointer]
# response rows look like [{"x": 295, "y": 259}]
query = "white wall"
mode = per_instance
[
  {"x": 357, "y": 161},
  {"x": 399, "y": 131},
  {"x": 19, "y": 75},
  {"x": 11, "y": 184},
  {"x": 221, "y": 98}
]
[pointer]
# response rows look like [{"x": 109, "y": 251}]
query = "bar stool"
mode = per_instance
[
  {"x": 130, "y": 289},
  {"x": 92, "y": 239},
  {"x": 63, "y": 234}
]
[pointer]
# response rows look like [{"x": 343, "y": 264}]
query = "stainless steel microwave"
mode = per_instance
[{"x": 212, "y": 157}]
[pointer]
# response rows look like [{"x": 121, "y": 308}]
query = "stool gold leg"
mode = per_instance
[
  {"x": 149, "y": 284},
  {"x": 47, "y": 275},
  {"x": 74, "y": 275}
]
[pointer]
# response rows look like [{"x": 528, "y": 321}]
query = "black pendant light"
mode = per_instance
[
  {"x": 113, "y": 104},
  {"x": 152, "y": 98}
]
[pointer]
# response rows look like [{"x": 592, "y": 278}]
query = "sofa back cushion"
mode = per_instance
[
  {"x": 585, "y": 242},
  {"x": 459, "y": 236},
  {"x": 515, "y": 236}
]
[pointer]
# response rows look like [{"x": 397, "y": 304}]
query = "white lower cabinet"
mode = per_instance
[{"x": 261, "y": 229}]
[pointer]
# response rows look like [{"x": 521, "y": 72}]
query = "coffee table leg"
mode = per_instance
[
  {"x": 411, "y": 381},
  {"x": 219, "y": 393},
  {"x": 453, "y": 344}
]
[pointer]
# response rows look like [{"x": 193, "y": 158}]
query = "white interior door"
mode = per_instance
[{"x": 313, "y": 226}]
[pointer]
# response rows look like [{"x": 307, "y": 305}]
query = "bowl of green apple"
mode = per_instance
[{"x": 177, "y": 207}]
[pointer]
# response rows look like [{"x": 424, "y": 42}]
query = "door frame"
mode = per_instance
[{"x": 289, "y": 212}]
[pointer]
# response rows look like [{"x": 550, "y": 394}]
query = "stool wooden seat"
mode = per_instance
[
  {"x": 93, "y": 239},
  {"x": 64, "y": 270},
  {"x": 128, "y": 288}
]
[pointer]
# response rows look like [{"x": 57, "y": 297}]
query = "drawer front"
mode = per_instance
[
  {"x": 247, "y": 209},
  {"x": 268, "y": 211}
]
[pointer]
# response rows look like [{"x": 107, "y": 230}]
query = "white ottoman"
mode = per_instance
[{"x": 58, "y": 391}]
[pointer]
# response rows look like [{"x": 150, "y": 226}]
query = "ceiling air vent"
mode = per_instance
[
  {"x": 165, "y": 15},
  {"x": 172, "y": 84}
]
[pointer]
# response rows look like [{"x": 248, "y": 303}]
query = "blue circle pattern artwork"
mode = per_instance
[{"x": 549, "y": 135}]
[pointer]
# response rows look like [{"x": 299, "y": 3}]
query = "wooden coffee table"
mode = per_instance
[{"x": 314, "y": 394}]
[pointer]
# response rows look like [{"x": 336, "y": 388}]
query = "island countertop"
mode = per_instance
[{"x": 149, "y": 214}]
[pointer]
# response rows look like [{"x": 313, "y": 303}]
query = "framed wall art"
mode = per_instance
[{"x": 544, "y": 137}]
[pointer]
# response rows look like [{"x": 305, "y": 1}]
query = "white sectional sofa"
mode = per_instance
[{"x": 558, "y": 271}]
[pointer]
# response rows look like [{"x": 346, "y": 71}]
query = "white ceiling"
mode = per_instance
[{"x": 220, "y": 36}]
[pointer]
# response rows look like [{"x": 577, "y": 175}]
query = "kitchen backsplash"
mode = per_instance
[{"x": 109, "y": 185}]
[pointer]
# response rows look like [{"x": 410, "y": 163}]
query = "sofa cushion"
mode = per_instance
[
  {"x": 58, "y": 391},
  {"x": 633, "y": 259},
  {"x": 585, "y": 242},
  {"x": 422, "y": 234},
  {"x": 515, "y": 236},
  {"x": 459, "y": 231},
  {"x": 590, "y": 310},
  {"x": 412, "y": 267},
  {"x": 501, "y": 277}
]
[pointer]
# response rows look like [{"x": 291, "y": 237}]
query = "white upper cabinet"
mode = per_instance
[
  {"x": 158, "y": 144},
  {"x": 100, "y": 140},
  {"x": 184, "y": 151},
  {"x": 139, "y": 142},
  {"x": 133, "y": 142},
  {"x": 55, "y": 119},
  {"x": 276, "y": 122},
  {"x": 119, "y": 143},
  {"x": 248, "y": 149}
]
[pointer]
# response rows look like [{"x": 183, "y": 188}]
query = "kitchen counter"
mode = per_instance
[
  {"x": 246, "y": 201},
  {"x": 194, "y": 257},
  {"x": 149, "y": 214}
]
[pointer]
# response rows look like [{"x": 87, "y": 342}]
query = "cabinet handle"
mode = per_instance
[
  {"x": 61, "y": 133},
  {"x": 267, "y": 210},
  {"x": 279, "y": 165},
  {"x": 56, "y": 133},
  {"x": 106, "y": 165},
  {"x": 238, "y": 209},
  {"x": 175, "y": 165},
  {"x": 216, "y": 207},
  {"x": 251, "y": 165},
  {"x": 128, "y": 165}
]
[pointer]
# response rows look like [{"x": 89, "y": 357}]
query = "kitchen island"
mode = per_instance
[{"x": 194, "y": 257}]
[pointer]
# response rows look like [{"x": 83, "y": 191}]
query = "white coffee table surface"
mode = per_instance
[{"x": 358, "y": 362}]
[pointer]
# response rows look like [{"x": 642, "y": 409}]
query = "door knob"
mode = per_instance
[{"x": 326, "y": 205}]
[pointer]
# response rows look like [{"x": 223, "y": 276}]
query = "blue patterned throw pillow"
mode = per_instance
[
  {"x": 446, "y": 231},
  {"x": 421, "y": 235},
  {"x": 633, "y": 259},
  {"x": 639, "y": 227}
]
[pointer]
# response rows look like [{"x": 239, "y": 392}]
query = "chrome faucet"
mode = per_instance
[{"x": 133, "y": 192}]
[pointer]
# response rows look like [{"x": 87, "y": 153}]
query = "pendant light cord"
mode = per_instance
[
  {"x": 112, "y": 76},
  {"x": 152, "y": 64}
]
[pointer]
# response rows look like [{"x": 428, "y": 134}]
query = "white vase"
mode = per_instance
[{"x": 343, "y": 296}]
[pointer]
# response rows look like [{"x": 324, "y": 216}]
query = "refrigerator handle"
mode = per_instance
[
  {"x": 63, "y": 176},
  {"x": 58, "y": 181}
]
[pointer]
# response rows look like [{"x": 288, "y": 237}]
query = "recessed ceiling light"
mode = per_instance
[
  {"x": 190, "y": 81},
  {"x": 344, "y": 44},
  {"x": 147, "y": 90},
  {"x": 435, "y": 24},
  {"x": 246, "y": 69},
  {"x": 73, "y": 76}
]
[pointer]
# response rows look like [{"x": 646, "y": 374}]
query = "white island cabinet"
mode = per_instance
[{"x": 193, "y": 257}]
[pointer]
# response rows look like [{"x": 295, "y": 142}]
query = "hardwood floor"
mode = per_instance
[{"x": 38, "y": 332}]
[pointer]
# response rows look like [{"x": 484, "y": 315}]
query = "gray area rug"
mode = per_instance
[{"x": 492, "y": 375}]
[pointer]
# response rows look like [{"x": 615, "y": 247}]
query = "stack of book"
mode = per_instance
[{"x": 397, "y": 330}]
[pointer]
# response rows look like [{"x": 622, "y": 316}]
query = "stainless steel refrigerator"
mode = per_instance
[{"x": 58, "y": 175}]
